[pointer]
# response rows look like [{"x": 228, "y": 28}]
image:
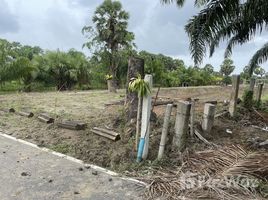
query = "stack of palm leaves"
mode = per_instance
[{"x": 226, "y": 173}]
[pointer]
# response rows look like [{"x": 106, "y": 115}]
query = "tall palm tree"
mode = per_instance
[{"x": 233, "y": 20}]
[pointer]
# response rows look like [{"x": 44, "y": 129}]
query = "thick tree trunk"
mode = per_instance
[
  {"x": 135, "y": 67},
  {"x": 111, "y": 85}
]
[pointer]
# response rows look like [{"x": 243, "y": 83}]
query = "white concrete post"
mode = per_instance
[
  {"x": 164, "y": 131},
  {"x": 259, "y": 92},
  {"x": 208, "y": 118},
  {"x": 192, "y": 118},
  {"x": 181, "y": 125},
  {"x": 234, "y": 95},
  {"x": 145, "y": 118}
]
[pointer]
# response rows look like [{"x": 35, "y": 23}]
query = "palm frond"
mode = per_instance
[
  {"x": 212, "y": 174},
  {"x": 203, "y": 27},
  {"x": 259, "y": 57},
  {"x": 179, "y": 3},
  {"x": 224, "y": 33},
  {"x": 225, "y": 19},
  {"x": 232, "y": 42}
]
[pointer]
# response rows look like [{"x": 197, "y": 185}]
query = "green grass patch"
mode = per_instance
[
  {"x": 16, "y": 86},
  {"x": 62, "y": 148},
  {"x": 265, "y": 97}
]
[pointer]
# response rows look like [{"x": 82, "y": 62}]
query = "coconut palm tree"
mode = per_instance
[{"x": 233, "y": 20}]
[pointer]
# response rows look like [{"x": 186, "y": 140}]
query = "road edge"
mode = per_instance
[{"x": 95, "y": 167}]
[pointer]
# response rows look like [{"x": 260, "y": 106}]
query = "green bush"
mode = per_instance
[
  {"x": 11, "y": 86},
  {"x": 248, "y": 99}
]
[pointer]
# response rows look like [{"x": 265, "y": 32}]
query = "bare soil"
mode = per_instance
[{"x": 90, "y": 107}]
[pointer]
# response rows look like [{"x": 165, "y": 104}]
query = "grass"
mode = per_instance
[
  {"x": 62, "y": 148},
  {"x": 77, "y": 105},
  {"x": 15, "y": 86},
  {"x": 265, "y": 97}
]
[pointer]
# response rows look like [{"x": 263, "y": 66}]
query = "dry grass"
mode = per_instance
[
  {"x": 75, "y": 104},
  {"x": 226, "y": 173},
  {"x": 169, "y": 182}
]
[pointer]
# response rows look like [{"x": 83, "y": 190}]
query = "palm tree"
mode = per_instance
[
  {"x": 233, "y": 20},
  {"x": 22, "y": 69},
  {"x": 109, "y": 34}
]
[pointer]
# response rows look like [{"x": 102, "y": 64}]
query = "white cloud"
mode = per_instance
[{"x": 8, "y": 20}]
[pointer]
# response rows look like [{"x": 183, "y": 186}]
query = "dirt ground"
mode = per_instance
[{"x": 89, "y": 106}]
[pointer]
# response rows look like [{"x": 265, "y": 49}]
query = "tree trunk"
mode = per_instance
[
  {"x": 135, "y": 67},
  {"x": 111, "y": 85}
]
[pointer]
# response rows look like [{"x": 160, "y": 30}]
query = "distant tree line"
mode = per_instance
[
  {"x": 27, "y": 68},
  {"x": 32, "y": 68}
]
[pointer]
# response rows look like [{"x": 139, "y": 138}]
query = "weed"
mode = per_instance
[
  {"x": 62, "y": 148},
  {"x": 248, "y": 99}
]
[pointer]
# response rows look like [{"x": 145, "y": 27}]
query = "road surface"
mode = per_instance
[{"x": 30, "y": 173}]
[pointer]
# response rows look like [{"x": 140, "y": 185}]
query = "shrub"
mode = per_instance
[{"x": 248, "y": 99}]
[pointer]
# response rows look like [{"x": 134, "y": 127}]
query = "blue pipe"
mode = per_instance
[{"x": 140, "y": 149}]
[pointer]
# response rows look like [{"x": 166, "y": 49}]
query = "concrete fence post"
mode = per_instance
[
  {"x": 192, "y": 117},
  {"x": 164, "y": 131},
  {"x": 208, "y": 118},
  {"x": 259, "y": 92},
  {"x": 181, "y": 125},
  {"x": 234, "y": 95},
  {"x": 146, "y": 113}
]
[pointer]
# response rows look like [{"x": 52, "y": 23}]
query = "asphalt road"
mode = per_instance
[{"x": 29, "y": 173}]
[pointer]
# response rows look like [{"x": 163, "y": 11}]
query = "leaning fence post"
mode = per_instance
[
  {"x": 259, "y": 92},
  {"x": 208, "y": 118},
  {"x": 181, "y": 125},
  {"x": 234, "y": 95},
  {"x": 164, "y": 131}
]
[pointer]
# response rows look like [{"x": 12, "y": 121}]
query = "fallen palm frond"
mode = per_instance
[{"x": 226, "y": 173}]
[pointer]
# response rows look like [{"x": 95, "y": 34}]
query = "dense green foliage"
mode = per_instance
[
  {"x": 227, "y": 68},
  {"x": 28, "y": 65},
  {"x": 31, "y": 68},
  {"x": 248, "y": 99}
]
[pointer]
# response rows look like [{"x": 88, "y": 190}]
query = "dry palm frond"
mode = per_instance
[
  {"x": 226, "y": 173},
  {"x": 230, "y": 161}
]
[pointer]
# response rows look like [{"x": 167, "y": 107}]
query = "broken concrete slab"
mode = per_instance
[
  {"x": 73, "y": 125},
  {"x": 43, "y": 117},
  {"x": 26, "y": 114}
]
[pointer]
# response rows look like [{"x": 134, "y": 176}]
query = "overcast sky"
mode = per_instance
[{"x": 53, "y": 24}]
